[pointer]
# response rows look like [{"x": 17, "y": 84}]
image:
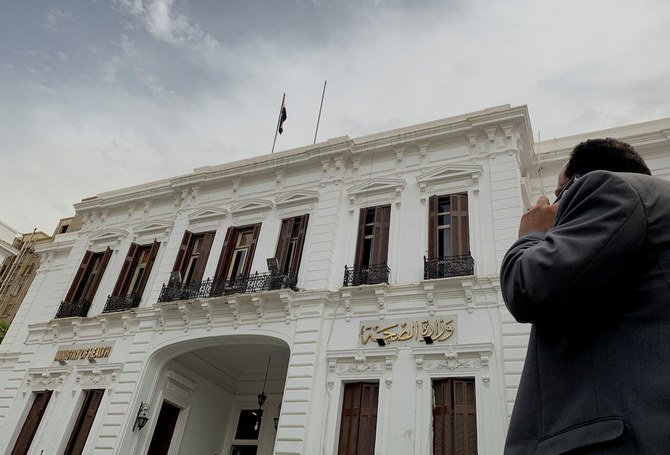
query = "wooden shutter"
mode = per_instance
[
  {"x": 360, "y": 243},
  {"x": 358, "y": 425},
  {"x": 98, "y": 278},
  {"x": 127, "y": 270},
  {"x": 252, "y": 249},
  {"x": 454, "y": 417},
  {"x": 79, "y": 277},
  {"x": 203, "y": 255},
  {"x": 380, "y": 241},
  {"x": 432, "y": 227},
  {"x": 82, "y": 428},
  {"x": 153, "y": 252},
  {"x": 31, "y": 423},
  {"x": 302, "y": 231},
  {"x": 460, "y": 242},
  {"x": 226, "y": 253},
  {"x": 182, "y": 255},
  {"x": 283, "y": 243}
]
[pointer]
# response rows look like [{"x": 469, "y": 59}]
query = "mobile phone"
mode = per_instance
[{"x": 572, "y": 180}]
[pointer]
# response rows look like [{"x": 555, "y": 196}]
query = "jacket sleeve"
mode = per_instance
[{"x": 598, "y": 236}]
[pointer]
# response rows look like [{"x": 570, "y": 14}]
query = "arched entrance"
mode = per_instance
[{"x": 217, "y": 396}]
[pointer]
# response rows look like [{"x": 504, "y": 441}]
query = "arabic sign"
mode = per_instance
[{"x": 440, "y": 330}]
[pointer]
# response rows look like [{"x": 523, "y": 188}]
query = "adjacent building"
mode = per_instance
[{"x": 341, "y": 298}]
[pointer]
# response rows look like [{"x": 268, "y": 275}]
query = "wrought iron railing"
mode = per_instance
[
  {"x": 73, "y": 309},
  {"x": 121, "y": 303},
  {"x": 258, "y": 282},
  {"x": 370, "y": 274},
  {"x": 448, "y": 266}
]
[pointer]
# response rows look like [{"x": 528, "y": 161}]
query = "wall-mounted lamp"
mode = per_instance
[
  {"x": 428, "y": 339},
  {"x": 276, "y": 419},
  {"x": 142, "y": 416},
  {"x": 381, "y": 342}
]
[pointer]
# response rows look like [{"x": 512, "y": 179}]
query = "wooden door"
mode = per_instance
[
  {"x": 358, "y": 425},
  {"x": 167, "y": 420},
  {"x": 32, "y": 423}
]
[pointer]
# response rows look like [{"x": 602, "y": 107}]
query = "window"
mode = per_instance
[
  {"x": 238, "y": 252},
  {"x": 88, "y": 277},
  {"x": 135, "y": 271},
  {"x": 290, "y": 244},
  {"x": 454, "y": 417},
  {"x": 358, "y": 425},
  {"x": 448, "y": 237},
  {"x": 371, "y": 248},
  {"x": 193, "y": 255},
  {"x": 82, "y": 427},
  {"x": 28, "y": 269},
  {"x": 31, "y": 423},
  {"x": 247, "y": 432}
]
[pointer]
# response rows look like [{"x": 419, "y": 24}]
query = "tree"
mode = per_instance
[{"x": 3, "y": 330}]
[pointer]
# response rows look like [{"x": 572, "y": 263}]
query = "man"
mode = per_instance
[{"x": 592, "y": 275}]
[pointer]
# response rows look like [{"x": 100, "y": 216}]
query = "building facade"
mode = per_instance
[{"x": 341, "y": 298}]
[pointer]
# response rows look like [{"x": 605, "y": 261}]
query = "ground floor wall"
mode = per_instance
[{"x": 375, "y": 334}]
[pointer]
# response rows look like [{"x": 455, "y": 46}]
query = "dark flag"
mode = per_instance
[{"x": 282, "y": 118}]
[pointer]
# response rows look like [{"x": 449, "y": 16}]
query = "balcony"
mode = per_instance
[
  {"x": 73, "y": 309},
  {"x": 448, "y": 266},
  {"x": 121, "y": 303},
  {"x": 371, "y": 274},
  {"x": 257, "y": 282}
]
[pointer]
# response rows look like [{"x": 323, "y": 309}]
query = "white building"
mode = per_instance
[
  {"x": 380, "y": 329},
  {"x": 7, "y": 236}
]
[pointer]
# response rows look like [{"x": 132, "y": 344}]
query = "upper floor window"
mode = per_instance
[
  {"x": 290, "y": 244},
  {"x": 238, "y": 252},
  {"x": 88, "y": 276},
  {"x": 370, "y": 264},
  {"x": 448, "y": 237},
  {"x": 193, "y": 255},
  {"x": 133, "y": 278}
]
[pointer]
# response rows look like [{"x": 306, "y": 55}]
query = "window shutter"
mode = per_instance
[
  {"x": 226, "y": 253},
  {"x": 252, "y": 249},
  {"x": 203, "y": 255},
  {"x": 126, "y": 271},
  {"x": 79, "y": 277},
  {"x": 368, "y": 422},
  {"x": 300, "y": 242},
  {"x": 465, "y": 423},
  {"x": 350, "y": 419},
  {"x": 442, "y": 418},
  {"x": 31, "y": 423},
  {"x": 153, "y": 252},
  {"x": 460, "y": 242},
  {"x": 84, "y": 422},
  {"x": 432, "y": 227},
  {"x": 98, "y": 278},
  {"x": 182, "y": 255},
  {"x": 283, "y": 242},
  {"x": 361, "y": 239},
  {"x": 380, "y": 241}
]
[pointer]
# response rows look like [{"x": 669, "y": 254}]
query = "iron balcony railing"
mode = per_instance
[
  {"x": 369, "y": 274},
  {"x": 121, "y": 303},
  {"x": 73, "y": 309},
  {"x": 448, "y": 266},
  {"x": 257, "y": 282}
]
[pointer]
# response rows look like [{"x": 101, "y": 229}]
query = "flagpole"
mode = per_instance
[
  {"x": 320, "y": 107},
  {"x": 278, "y": 122}
]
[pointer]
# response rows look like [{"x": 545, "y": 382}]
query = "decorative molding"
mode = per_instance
[
  {"x": 185, "y": 310},
  {"x": 286, "y": 297},
  {"x": 258, "y": 303},
  {"x": 234, "y": 305},
  {"x": 50, "y": 378},
  {"x": 209, "y": 317},
  {"x": 251, "y": 206},
  {"x": 157, "y": 229},
  {"x": 361, "y": 364},
  {"x": 108, "y": 237},
  {"x": 429, "y": 289},
  {"x": 376, "y": 186},
  {"x": 454, "y": 357},
  {"x": 450, "y": 173},
  {"x": 297, "y": 197},
  {"x": 346, "y": 299},
  {"x": 98, "y": 375},
  {"x": 207, "y": 214}
]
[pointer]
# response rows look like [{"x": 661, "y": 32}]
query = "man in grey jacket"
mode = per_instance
[{"x": 592, "y": 274}]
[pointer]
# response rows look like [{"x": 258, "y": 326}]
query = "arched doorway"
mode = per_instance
[{"x": 221, "y": 398}]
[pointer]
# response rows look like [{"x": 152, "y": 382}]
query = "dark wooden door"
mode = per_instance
[
  {"x": 32, "y": 423},
  {"x": 454, "y": 417},
  {"x": 167, "y": 420},
  {"x": 82, "y": 427},
  {"x": 359, "y": 419}
]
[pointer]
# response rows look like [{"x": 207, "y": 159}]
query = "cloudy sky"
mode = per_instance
[{"x": 99, "y": 95}]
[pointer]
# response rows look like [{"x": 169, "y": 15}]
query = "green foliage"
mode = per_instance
[{"x": 3, "y": 330}]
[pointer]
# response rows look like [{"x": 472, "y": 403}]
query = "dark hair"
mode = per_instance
[{"x": 605, "y": 154}]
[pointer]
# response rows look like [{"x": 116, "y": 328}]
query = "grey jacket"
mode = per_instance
[{"x": 596, "y": 288}]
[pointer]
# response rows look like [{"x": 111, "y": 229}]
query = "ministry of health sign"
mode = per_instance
[{"x": 408, "y": 331}]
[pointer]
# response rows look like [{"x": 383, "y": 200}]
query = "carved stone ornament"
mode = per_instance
[
  {"x": 98, "y": 375},
  {"x": 51, "y": 378}
]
